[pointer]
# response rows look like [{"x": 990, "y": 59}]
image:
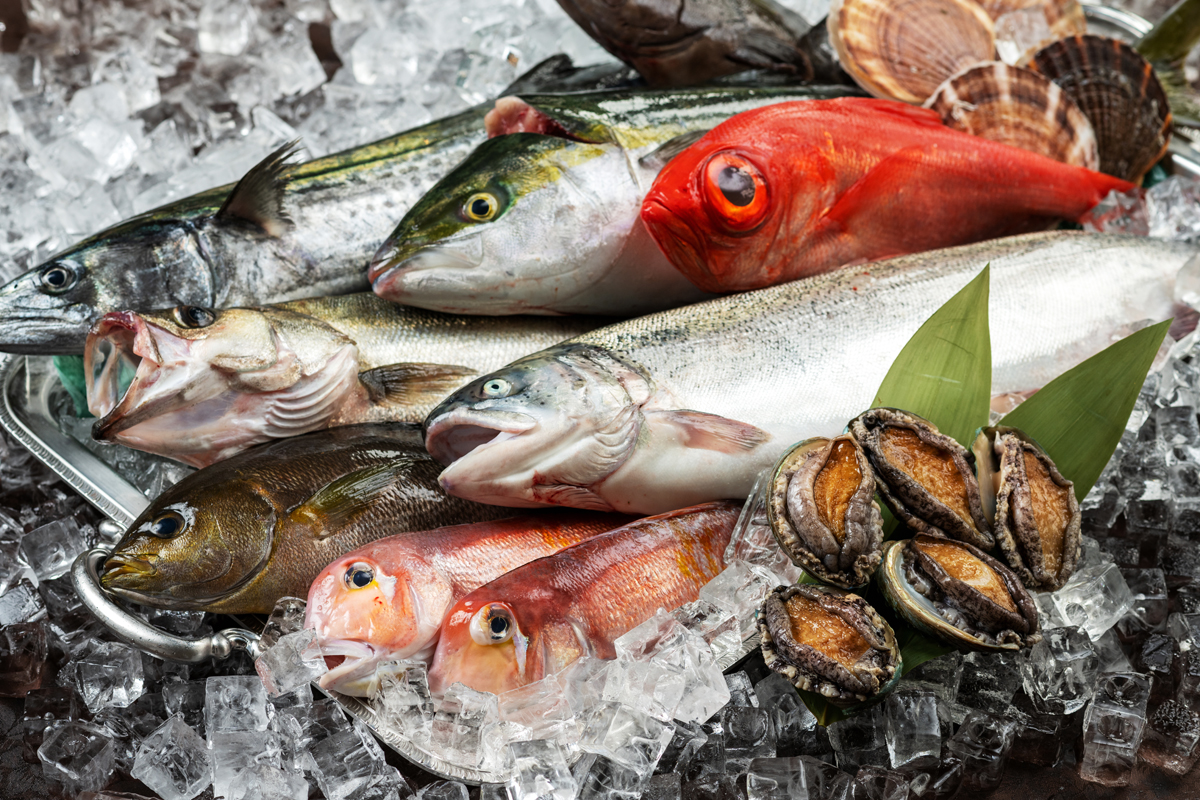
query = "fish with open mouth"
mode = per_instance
[
  {"x": 204, "y": 384},
  {"x": 285, "y": 231},
  {"x": 235, "y": 537},
  {"x": 544, "y": 218},
  {"x": 690, "y": 405},
  {"x": 387, "y": 600},
  {"x": 797, "y": 189},
  {"x": 536, "y": 619}
]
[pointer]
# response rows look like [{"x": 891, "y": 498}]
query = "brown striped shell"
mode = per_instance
[
  {"x": 903, "y": 49},
  {"x": 1017, "y": 107},
  {"x": 1119, "y": 93}
]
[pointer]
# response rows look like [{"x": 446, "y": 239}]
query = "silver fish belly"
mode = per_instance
[{"x": 688, "y": 405}]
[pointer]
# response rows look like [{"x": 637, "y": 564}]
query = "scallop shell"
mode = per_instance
[
  {"x": 903, "y": 49},
  {"x": 1017, "y": 107},
  {"x": 1119, "y": 93}
]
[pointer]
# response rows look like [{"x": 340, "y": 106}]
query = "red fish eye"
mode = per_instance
[{"x": 736, "y": 191}]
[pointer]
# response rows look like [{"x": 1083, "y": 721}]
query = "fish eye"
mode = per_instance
[
  {"x": 58, "y": 278},
  {"x": 481, "y": 207},
  {"x": 736, "y": 191},
  {"x": 359, "y": 575},
  {"x": 492, "y": 625},
  {"x": 497, "y": 388},
  {"x": 167, "y": 525},
  {"x": 194, "y": 316}
]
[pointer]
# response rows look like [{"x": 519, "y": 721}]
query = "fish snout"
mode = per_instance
[
  {"x": 125, "y": 571},
  {"x": 451, "y": 435},
  {"x": 405, "y": 269},
  {"x": 675, "y": 237}
]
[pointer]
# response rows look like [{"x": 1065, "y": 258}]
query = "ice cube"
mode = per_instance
[
  {"x": 403, "y": 699},
  {"x": 663, "y": 787},
  {"x": 717, "y": 626},
  {"x": 346, "y": 762},
  {"x": 77, "y": 755},
  {"x": 542, "y": 707},
  {"x": 187, "y": 700},
  {"x": 1094, "y": 599},
  {"x": 1148, "y": 588},
  {"x": 880, "y": 783},
  {"x": 234, "y": 754},
  {"x": 21, "y": 603},
  {"x": 687, "y": 741},
  {"x": 1039, "y": 737},
  {"x": 1112, "y": 728},
  {"x": 294, "y": 660},
  {"x": 584, "y": 681},
  {"x": 1119, "y": 212},
  {"x": 493, "y": 791},
  {"x": 988, "y": 683},
  {"x": 443, "y": 790},
  {"x": 456, "y": 732},
  {"x": 748, "y": 735},
  {"x": 982, "y": 744},
  {"x": 1059, "y": 671},
  {"x": 1171, "y": 738},
  {"x": 24, "y": 649},
  {"x": 173, "y": 761},
  {"x": 1173, "y": 209},
  {"x": 913, "y": 732},
  {"x": 860, "y": 739},
  {"x": 539, "y": 772},
  {"x": 626, "y": 735},
  {"x": 600, "y": 778},
  {"x": 226, "y": 26},
  {"x": 741, "y": 691},
  {"x": 495, "y": 741},
  {"x": 740, "y": 589},
  {"x": 753, "y": 541},
  {"x": 656, "y": 687},
  {"x": 109, "y": 674},
  {"x": 52, "y": 548},
  {"x": 234, "y": 703},
  {"x": 287, "y": 617},
  {"x": 796, "y": 730}
]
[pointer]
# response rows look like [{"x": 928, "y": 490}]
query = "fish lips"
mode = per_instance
[
  {"x": 399, "y": 270},
  {"x": 456, "y": 433},
  {"x": 126, "y": 575},
  {"x": 673, "y": 235},
  {"x": 355, "y": 675},
  {"x": 128, "y": 336}
]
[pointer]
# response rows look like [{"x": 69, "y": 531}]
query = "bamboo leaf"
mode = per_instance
[
  {"x": 944, "y": 373},
  {"x": 1078, "y": 417}
]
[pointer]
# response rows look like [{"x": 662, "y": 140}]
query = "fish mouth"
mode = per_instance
[
  {"x": 355, "y": 673},
  {"x": 668, "y": 228},
  {"x": 119, "y": 343},
  {"x": 456, "y": 433},
  {"x": 37, "y": 324},
  {"x": 125, "y": 575},
  {"x": 463, "y": 252}
]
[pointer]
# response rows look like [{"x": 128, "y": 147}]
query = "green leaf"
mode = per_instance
[
  {"x": 916, "y": 648},
  {"x": 1078, "y": 417},
  {"x": 944, "y": 373}
]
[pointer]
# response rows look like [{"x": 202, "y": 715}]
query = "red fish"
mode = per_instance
[
  {"x": 537, "y": 619},
  {"x": 796, "y": 189}
]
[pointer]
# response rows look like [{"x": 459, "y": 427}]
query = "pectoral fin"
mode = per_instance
[
  {"x": 658, "y": 157},
  {"x": 704, "y": 431},
  {"x": 338, "y": 503},
  {"x": 258, "y": 196},
  {"x": 413, "y": 384}
]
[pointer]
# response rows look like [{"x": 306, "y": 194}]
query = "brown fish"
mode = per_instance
[{"x": 237, "y": 536}]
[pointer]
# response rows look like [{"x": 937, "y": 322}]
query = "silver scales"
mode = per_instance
[{"x": 28, "y": 397}]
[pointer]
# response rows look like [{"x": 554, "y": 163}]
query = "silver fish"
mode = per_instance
[
  {"x": 689, "y": 405},
  {"x": 204, "y": 385}
]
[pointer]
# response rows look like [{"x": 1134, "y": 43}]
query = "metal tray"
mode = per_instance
[{"x": 30, "y": 386}]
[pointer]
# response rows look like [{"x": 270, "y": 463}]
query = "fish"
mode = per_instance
[
  {"x": 284, "y": 231},
  {"x": 543, "y": 217},
  {"x": 387, "y": 600},
  {"x": 535, "y": 620},
  {"x": 235, "y": 537},
  {"x": 796, "y": 189},
  {"x": 207, "y": 384},
  {"x": 690, "y": 405},
  {"x": 690, "y": 42}
]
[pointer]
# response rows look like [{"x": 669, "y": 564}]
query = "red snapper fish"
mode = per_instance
[
  {"x": 386, "y": 600},
  {"x": 798, "y": 189},
  {"x": 536, "y": 620}
]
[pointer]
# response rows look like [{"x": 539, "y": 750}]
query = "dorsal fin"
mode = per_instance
[
  {"x": 413, "y": 384},
  {"x": 258, "y": 196},
  {"x": 659, "y": 156}
]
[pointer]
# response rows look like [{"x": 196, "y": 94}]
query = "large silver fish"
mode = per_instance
[
  {"x": 283, "y": 232},
  {"x": 546, "y": 219},
  {"x": 689, "y": 405},
  {"x": 204, "y": 385}
]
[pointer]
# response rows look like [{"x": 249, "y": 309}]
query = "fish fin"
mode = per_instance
[
  {"x": 704, "y": 431},
  {"x": 910, "y": 114},
  {"x": 412, "y": 384},
  {"x": 258, "y": 196},
  {"x": 338, "y": 502},
  {"x": 570, "y": 496},
  {"x": 659, "y": 156}
]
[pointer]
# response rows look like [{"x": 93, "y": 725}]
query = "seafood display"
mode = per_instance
[
  {"x": 208, "y": 384},
  {"x": 796, "y": 189},
  {"x": 537, "y": 619},
  {"x": 545, "y": 220},
  {"x": 237, "y": 536},
  {"x": 682, "y": 406},
  {"x": 832, "y": 240},
  {"x": 386, "y": 600}
]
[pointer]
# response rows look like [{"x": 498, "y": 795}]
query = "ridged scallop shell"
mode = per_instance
[
  {"x": 1119, "y": 93},
  {"x": 903, "y": 49},
  {"x": 1017, "y": 107}
]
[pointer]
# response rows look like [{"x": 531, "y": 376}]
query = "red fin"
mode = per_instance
[
  {"x": 514, "y": 115},
  {"x": 713, "y": 432}
]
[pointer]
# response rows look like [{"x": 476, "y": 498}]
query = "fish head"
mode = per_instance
[
  {"x": 202, "y": 541},
  {"x": 366, "y": 609},
  {"x": 192, "y": 383},
  {"x": 541, "y": 431},
  {"x": 713, "y": 207},
  {"x": 142, "y": 263},
  {"x": 482, "y": 645},
  {"x": 526, "y": 222}
]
